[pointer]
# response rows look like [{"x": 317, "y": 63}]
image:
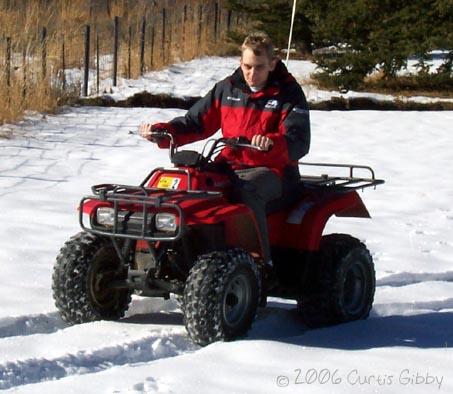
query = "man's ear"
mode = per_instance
[{"x": 273, "y": 63}]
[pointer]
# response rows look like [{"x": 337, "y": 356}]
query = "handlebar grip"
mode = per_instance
[
  {"x": 237, "y": 140},
  {"x": 160, "y": 134},
  {"x": 240, "y": 142}
]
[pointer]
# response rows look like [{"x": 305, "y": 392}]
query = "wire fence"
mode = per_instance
[{"x": 54, "y": 64}]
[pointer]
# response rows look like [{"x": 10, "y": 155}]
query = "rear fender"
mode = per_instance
[{"x": 305, "y": 224}]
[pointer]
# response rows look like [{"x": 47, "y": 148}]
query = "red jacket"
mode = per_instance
[{"x": 279, "y": 111}]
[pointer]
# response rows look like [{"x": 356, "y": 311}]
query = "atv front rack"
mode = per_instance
[
  {"x": 339, "y": 183},
  {"x": 134, "y": 204}
]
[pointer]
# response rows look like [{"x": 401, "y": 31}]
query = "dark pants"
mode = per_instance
[{"x": 255, "y": 187}]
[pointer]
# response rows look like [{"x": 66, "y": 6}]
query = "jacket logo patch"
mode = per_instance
[
  {"x": 271, "y": 104},
  {"x": 229, "y": 98},
  {"x": 300, "y": 110}
]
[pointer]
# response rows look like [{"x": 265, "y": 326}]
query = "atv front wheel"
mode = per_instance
[
  {"x": 345, "y": 284},
  {"x": 221, "y": 296},
  {"x": 85, "y": 266}
]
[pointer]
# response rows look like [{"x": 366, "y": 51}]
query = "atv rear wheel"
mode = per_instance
[
  {"x": 345, "y": 284},
  {"x": 221, "y": 296},
  {"x": 85, "y": 266}
]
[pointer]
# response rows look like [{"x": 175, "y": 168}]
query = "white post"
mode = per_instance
[{"x": 291, "y": 32}]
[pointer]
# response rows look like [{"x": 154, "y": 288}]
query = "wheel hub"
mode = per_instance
[
  {"x": 354, "y": 288},
  {"x": 101, "y": 275},
  {"x": 236, "y": 299}
]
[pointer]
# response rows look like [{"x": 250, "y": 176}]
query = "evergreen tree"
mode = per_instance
[
  {"x": 369, "y": 34},
  {"x": 362, "y": 35},
  {"x": 274, "y": 17}
]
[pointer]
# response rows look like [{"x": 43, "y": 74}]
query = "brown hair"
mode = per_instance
[{"x": 260, "y": 43}]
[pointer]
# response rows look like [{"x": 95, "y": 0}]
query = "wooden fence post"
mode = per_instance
[
  {"x": 63, "y": 64},
  {"x": 24, "y": 74},
  {"x": 184, "y": 23},
  {"x": 8, "y": 63},
  {"x": 164, "y": 19},
  {"x": 86, "y": 72},
  {"x": 97, "y": 61},
  {"x": 216, "y": 20},
  {"x": 44, "y": 52},
  {"x": 115, "y": 49},
  {"x": 152, "y": 46},
  {"x": 171, "y": 24},
  {"x": 129, "y": 50},
  {"x": 200, "y": 22},
  {"x": 142, "y": 45}
]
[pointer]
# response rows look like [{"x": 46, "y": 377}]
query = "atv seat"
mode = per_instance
[
  {"x": 290, "y": 196},
  {"x": 187, "y": 158}
]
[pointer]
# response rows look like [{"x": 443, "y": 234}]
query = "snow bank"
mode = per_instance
[{"x": 195, "y": 78}]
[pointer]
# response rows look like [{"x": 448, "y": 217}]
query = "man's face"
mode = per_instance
[{"x": 256, "y": 69}]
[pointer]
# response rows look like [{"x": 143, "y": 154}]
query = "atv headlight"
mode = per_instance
[
  {"x": 105, "y": 216},
  {"x": 166, "y": 222}
]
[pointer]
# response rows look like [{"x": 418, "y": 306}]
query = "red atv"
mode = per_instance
[{"x": 178, "y": 232}]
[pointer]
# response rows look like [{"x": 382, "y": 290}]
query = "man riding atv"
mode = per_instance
[
  {"x": 262, "y": 103},
  {"x": 204, "y": 229}
]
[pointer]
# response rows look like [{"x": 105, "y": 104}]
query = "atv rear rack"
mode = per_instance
[
  {"x": 339, "y": 183},
  {"x": 145, "y": 199}
]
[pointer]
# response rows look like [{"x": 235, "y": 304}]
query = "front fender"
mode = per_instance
[{"x": 239, "y": 223}]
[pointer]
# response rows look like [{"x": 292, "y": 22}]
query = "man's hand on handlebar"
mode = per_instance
[
  {"x": 258, "y": 142},
  {"x": 262, "y": 142},
  {"x": 159, "y": 133},
  {"x": 145, "y": 131},
  {"x": 154, "y": 132}
]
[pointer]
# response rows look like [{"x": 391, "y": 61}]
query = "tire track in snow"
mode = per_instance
[
  {"x": 409, "y": 278},
  {"x": 34, "y": 370},
  {"x": 31, "y": 324},
  {"x": 33, "y": 178},
  {"x": 397, "y": 308}
]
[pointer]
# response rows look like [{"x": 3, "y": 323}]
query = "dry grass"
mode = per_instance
[
  {"x": 185, "y": 37},
  {"x": 14, "y": 102},
  {"x": 423, "y": 84},
  {"x": 438, "y": 84}
]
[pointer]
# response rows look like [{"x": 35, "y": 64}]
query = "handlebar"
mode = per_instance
[
  {"x": 218, "y": 144},
  {"x": 162, "y": 134},
  {"x": 240, "y": 142}
]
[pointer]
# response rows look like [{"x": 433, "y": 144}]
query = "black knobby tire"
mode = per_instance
[
  {"x": 84, "y": 266},
  {"x": 345, "y": 283},
  {"x": 221, "y": 296}
]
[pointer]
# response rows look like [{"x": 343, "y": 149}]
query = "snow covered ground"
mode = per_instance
[{"x": 404, "y": 347}]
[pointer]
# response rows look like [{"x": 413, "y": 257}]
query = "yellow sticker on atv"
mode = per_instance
[{"x": 168, "y": 182}]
